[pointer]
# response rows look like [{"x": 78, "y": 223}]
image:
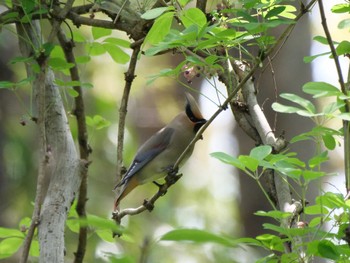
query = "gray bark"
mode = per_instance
[{"x": 60, "y": 164}]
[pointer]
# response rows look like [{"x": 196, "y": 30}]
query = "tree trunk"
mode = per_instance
[{"x": 60, "y": 164}]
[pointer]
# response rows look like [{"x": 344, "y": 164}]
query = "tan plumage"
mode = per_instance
[{"x": 160, "y": 152}]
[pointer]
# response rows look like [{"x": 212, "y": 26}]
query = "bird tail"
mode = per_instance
[{"x": 127, "y": 187}]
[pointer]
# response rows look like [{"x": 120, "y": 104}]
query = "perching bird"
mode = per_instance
[{"x": 160, "y": 152}]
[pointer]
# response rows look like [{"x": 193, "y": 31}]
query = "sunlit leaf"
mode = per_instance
[
  {"x": 341, "y": 8},
  {"x": 106, "y": 235},
  {"x": 95, "y": 49},
  {"x": 34, "y": 249},
  {"x": 225, "y": 158},
  {"x": 156, "y": 12},
  {"x": 9, "y": 246},
  {"x": 73, "y": 93},
  {"x": 343, "y": 48},
  {"x": 160, "y": 28},
  {"x": 320, "y": 89},
  {"x": 117, "y": 54},
  {"x": 98, "y": 122},
  {"x": 299, "y": 100},
  {"x": 98, "y": 32},
  {"x": 197, "y": 236},
  {"x": 10, "y": 232},
  {"x": 309, "y": 59},
  {"x": 249, "y": 162},
  {"x": 283, "y": 108},
  {"x": 193, "y": 16},
  {"x": 274, "y": 214},
  {"x": 117, "y": 41},
  {"x": 260, "y": 152}
]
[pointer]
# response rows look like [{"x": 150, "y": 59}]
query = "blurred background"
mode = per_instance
[{"x": 211, "y": 195}]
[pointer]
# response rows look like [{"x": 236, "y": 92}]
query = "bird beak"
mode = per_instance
[{"x": 192, "y": 110}]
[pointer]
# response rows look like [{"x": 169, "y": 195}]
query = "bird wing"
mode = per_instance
[{"x": 148, "y": 151}]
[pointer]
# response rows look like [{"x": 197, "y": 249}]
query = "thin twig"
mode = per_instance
[{"x": 129, "y": 77}]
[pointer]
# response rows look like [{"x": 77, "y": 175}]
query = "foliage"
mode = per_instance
[{"x": 207, "y": 42}]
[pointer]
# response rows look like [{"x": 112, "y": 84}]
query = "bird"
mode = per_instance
[{"x": 156, "y": 157}]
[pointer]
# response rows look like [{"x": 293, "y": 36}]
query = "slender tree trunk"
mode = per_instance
[{"x": 59, "y": 158}]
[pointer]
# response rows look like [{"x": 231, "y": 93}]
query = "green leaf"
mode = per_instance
[
  {"x": 98, "y": 122},
  {"x": 156, "y": 12},
  {"x": 225, "y": 158},
  {"x": 34, "y": 249},
  {"x": 343, "y": 116},
  {"x": 315, "y": 210},
  {"x": 328, "y": 250},
  {"x": 309, "y": 59},
  {"x": 73, "y": 225},
  {"x": 72, "y": 92},
  {"x": 98, "y": 32},
  {"x": 20, "y": 59},
  {"x": 320, "y": 89},
  {"x": 82, "y": 59},
  {"x": 341, "y": 8},
  {"x": 193, "y": 16},
  {"x": 160, "y": 28},
  {"x": 273, "y": 214},
  {"x": 329, "y": 141},
  {"x": 318, "y": 159},
  {"x": 249, "y": 162},
  {"x": 117, "y": 54},
  {"x": 312, "y": 175},
  {"x": 278, "y": 107},
  {"x": 7, "y": 84},
  {"x": 117, "y": 42},
  {"x": 197, "y": 236},
  {"x": 100, "y": 223},
  {"x": 271, "y": 242},
  {"x": 321, "y": 39},
  {"x": 299, "y": 100},
  {"x": 105, "y": 235},
  {"x": 343, "y": 48},
  {"x": 10, "y": 232},
  {"x": 95, "y": 49},
  {"x": 260, "y": 152},
  {"x": 9, "y": 246},
  {"x": 59, "y": 63},
  {"x": 344, "y": 24},
  {"x": 274, "y": 12}
]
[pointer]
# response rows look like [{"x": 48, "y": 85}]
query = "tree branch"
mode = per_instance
[
  {"x": 344, "y": 89},
  {"x": 84, "y": 148},
  {"x": 129, "y": 77},
  {"x": 201, "y": 4}
]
